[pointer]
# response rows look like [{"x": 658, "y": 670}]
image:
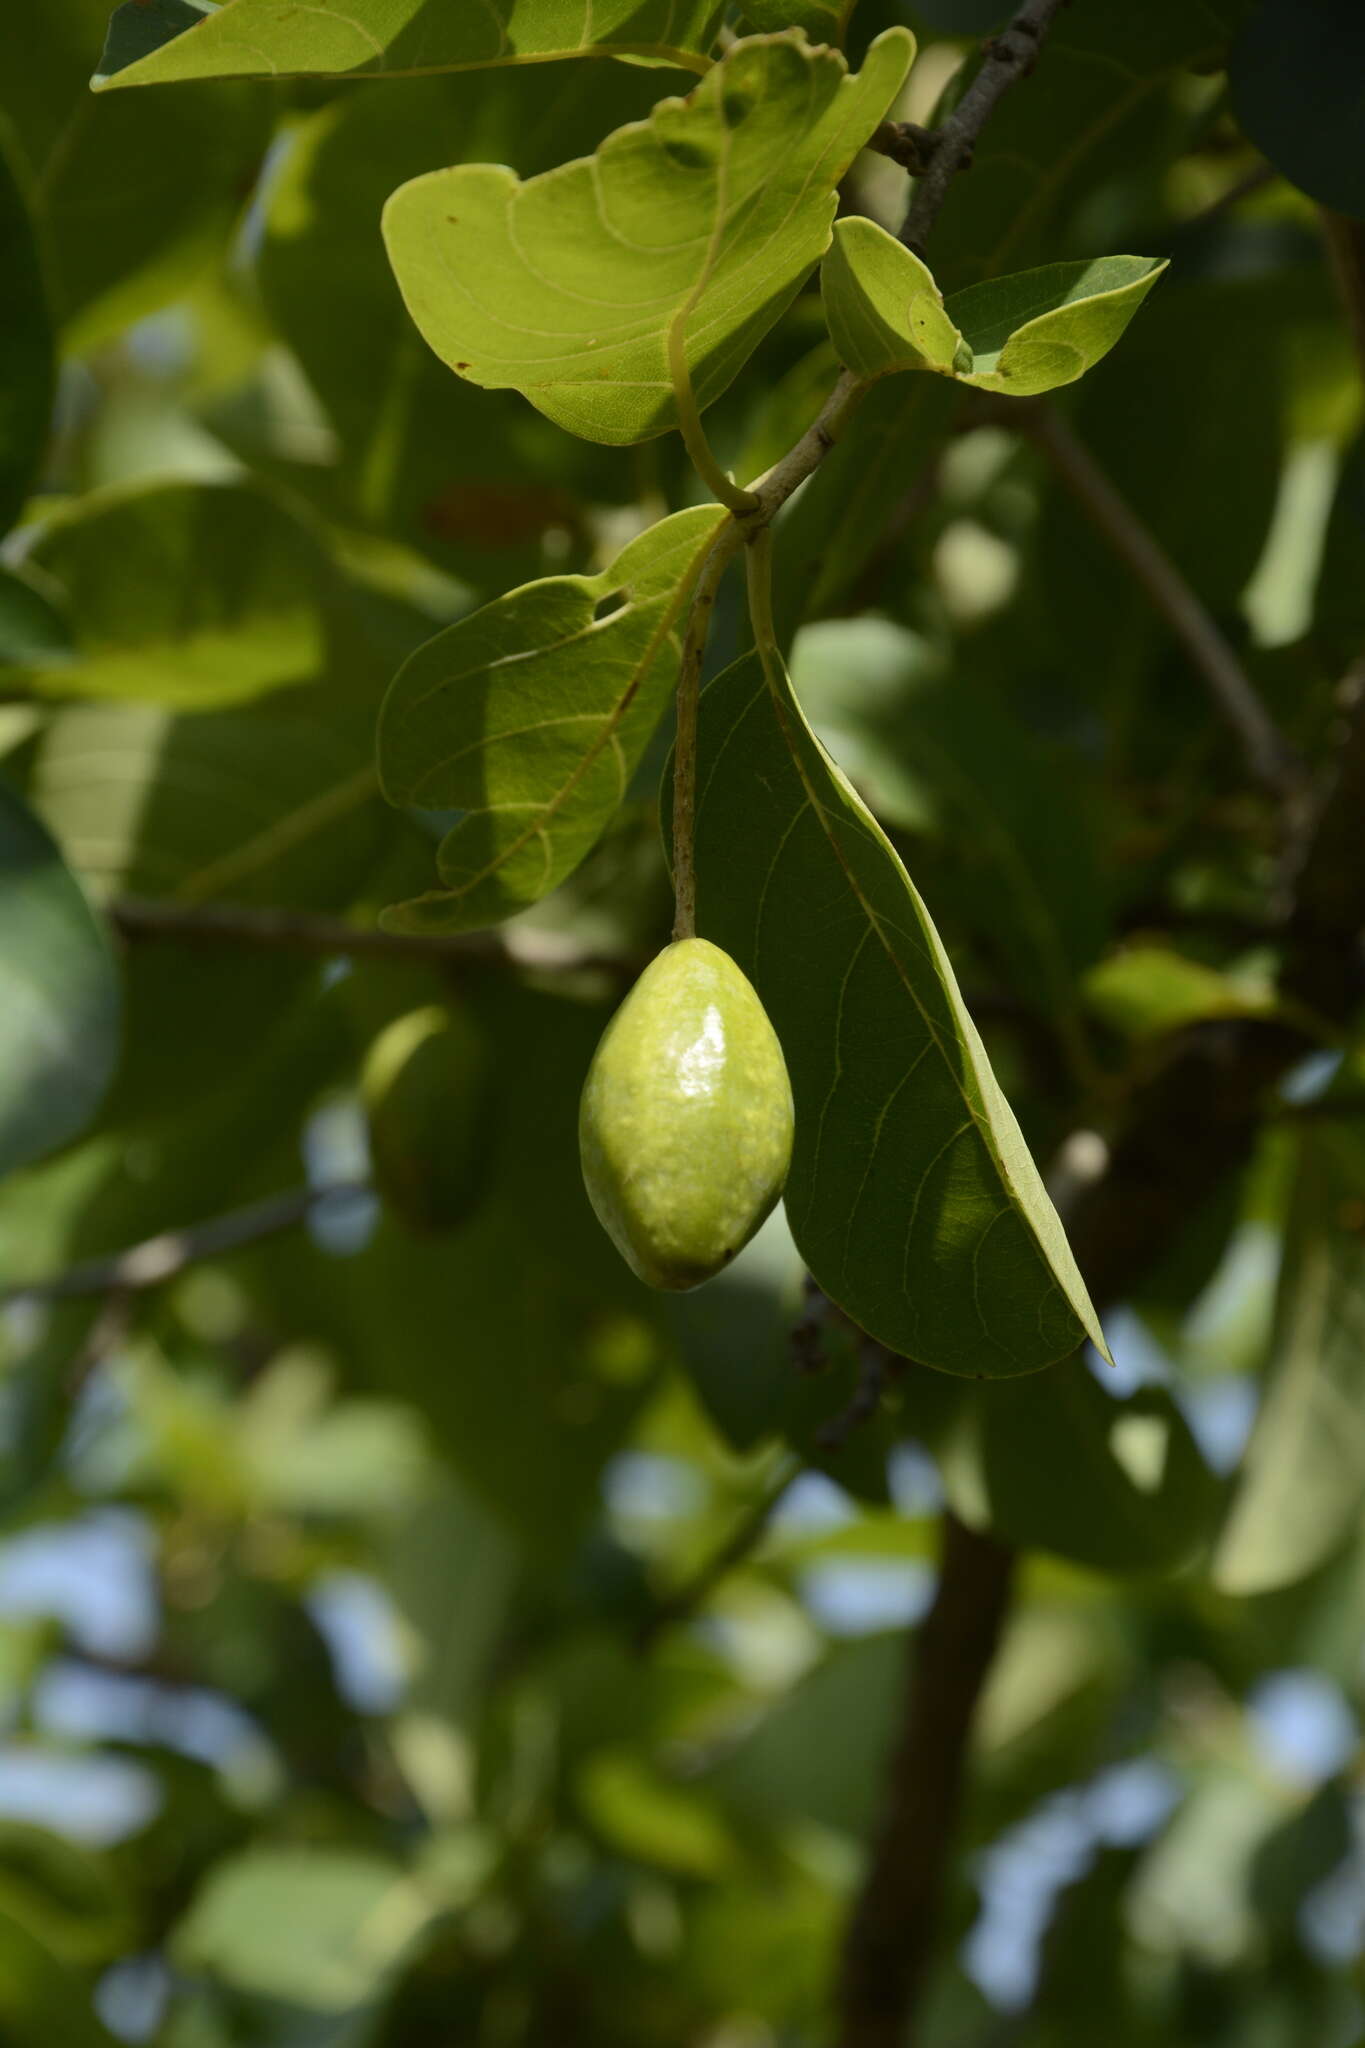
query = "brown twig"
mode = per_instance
[
  {"x": 1346, "y": 250},
  {"x": 1270, "y": 758},
  {"x": 907, "y": 144},
  {"x": 160, "y": 1258},
  {"x": 1006, "y": 58},
  {"x": 889, "y": 1948},
  {"x": 302, "y": 931}
]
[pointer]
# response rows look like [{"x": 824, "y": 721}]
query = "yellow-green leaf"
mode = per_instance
[
  {"x": 278, "y": 38},
  {"x": 530, "y": 717},
  {"x": 701, "y": 222},
  {"x": 1019, "y": 335}
]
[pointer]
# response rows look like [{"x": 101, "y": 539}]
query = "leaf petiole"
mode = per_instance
[{"x": 685, "y": 746}]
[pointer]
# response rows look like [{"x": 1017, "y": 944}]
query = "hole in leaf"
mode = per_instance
[
  {"x": 737, "y": 108},
  {"x": 605, "y": 606}
]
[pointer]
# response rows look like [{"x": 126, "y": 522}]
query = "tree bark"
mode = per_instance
[{"x": 891, "y": 1940}]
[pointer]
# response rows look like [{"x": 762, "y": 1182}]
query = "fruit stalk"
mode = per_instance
[{"x": 685, "y": 748}]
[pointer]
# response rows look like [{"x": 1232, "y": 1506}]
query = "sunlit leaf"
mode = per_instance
[
  {"x": 701, "y": 221},
  {"x": 59, "y": 997},
  {"x": 193, "y": 595},
  {"x": 530, "y": 717},
  {"x": 1304, "y": 1478},
  {"x": 884, "y": 310},
  {"x": 274, "y": 802},
  {"x": 1147, "y": 989},
  {"x": 268, "y": 38},
  {"x": 1018, "y": 335},
  {"x": 912, "y": 1195},
  {"x": 1040, "y": 328},
  {"x": 321, "y": 1928}
]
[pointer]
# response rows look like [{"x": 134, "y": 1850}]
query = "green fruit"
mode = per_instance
[
  {"x": 685, "y": 1128},
  {"x": 425, "y": 1090}
]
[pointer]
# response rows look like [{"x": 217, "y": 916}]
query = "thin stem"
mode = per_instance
[
  {"x": 160, "y": 1258},
  {"x": 742, "y": 1541},
  {"x": 772, "y": 490},
  {"x": 685, "y": 745},
  {"x": 1008, "y": 57},
  {"x": 141, "y": 920},
  {"x": 1270, "y": 758},
  {"x": 1346, "y": 248},
  {"x": 759, "y": 570},
  {"x": 722, "y": 487}
]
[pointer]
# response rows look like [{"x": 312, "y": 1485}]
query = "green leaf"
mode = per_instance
[
  {"x": 471, "y": 477},
  {"x": 138, "y": 197},
  {"x": 1106, "y": 89},
  {"x": 67, "y": 1896},
  {"x": 1019, "y": 335},
  {"x": 530, "y": 716},
  {"x": 820, "y": 1752},
  {"x": 884, "y": 310},
  {"x": 734, "y": 1335},
  {"x": 701, "y": 222},
  {"x": 822, "y": 559},
  {"x": 1148, "y": 989},
  {"x": 31, "y": 628},
  {"x": 196, "y": 595},
  {"x": 1041, "y": 328},
  {"x": 276, "y": 802},
  {"x": 556, "y": 1366},
  {"x": 270, "y": 38},
  {"x": 1060, "y": 1465},
  {"x": 1303, "y": 1478},
  {"x": 26, "y": 365},
  {"x": 321, "y": 1928},
  {"x": 129, "y": 199},
  {"x": 41, "y": 2000},
  {"x": 912, "y": 1196},
  {"x": 1294, "y": 74},
  {"x": 1157, "y": 425},
  {"x": 944, "y": 756},
  {"x": 823, "y": 20},
  {"x": 59, "y": 995}
]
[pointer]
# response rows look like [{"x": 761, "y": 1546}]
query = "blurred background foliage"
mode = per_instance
[{"x": 352, "y": 1693}]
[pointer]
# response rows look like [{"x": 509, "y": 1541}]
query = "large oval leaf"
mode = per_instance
[
  {"x": 59, "y": 994},
  {"x": 530, "y": 717},
  {"x": 703, "y": 220},
  {"x": 913, "y": 1197},
  {"x": 185, "y": 594},
  {"x": 148, "y": 45}
]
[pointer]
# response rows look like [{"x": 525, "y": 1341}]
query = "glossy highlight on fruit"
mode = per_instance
[{"x": 685, "y": 1127}]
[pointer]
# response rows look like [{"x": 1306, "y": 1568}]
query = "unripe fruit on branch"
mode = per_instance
[
  {"x": 685, "y": 1127},
  {"x": 425, "y": 1090}
]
